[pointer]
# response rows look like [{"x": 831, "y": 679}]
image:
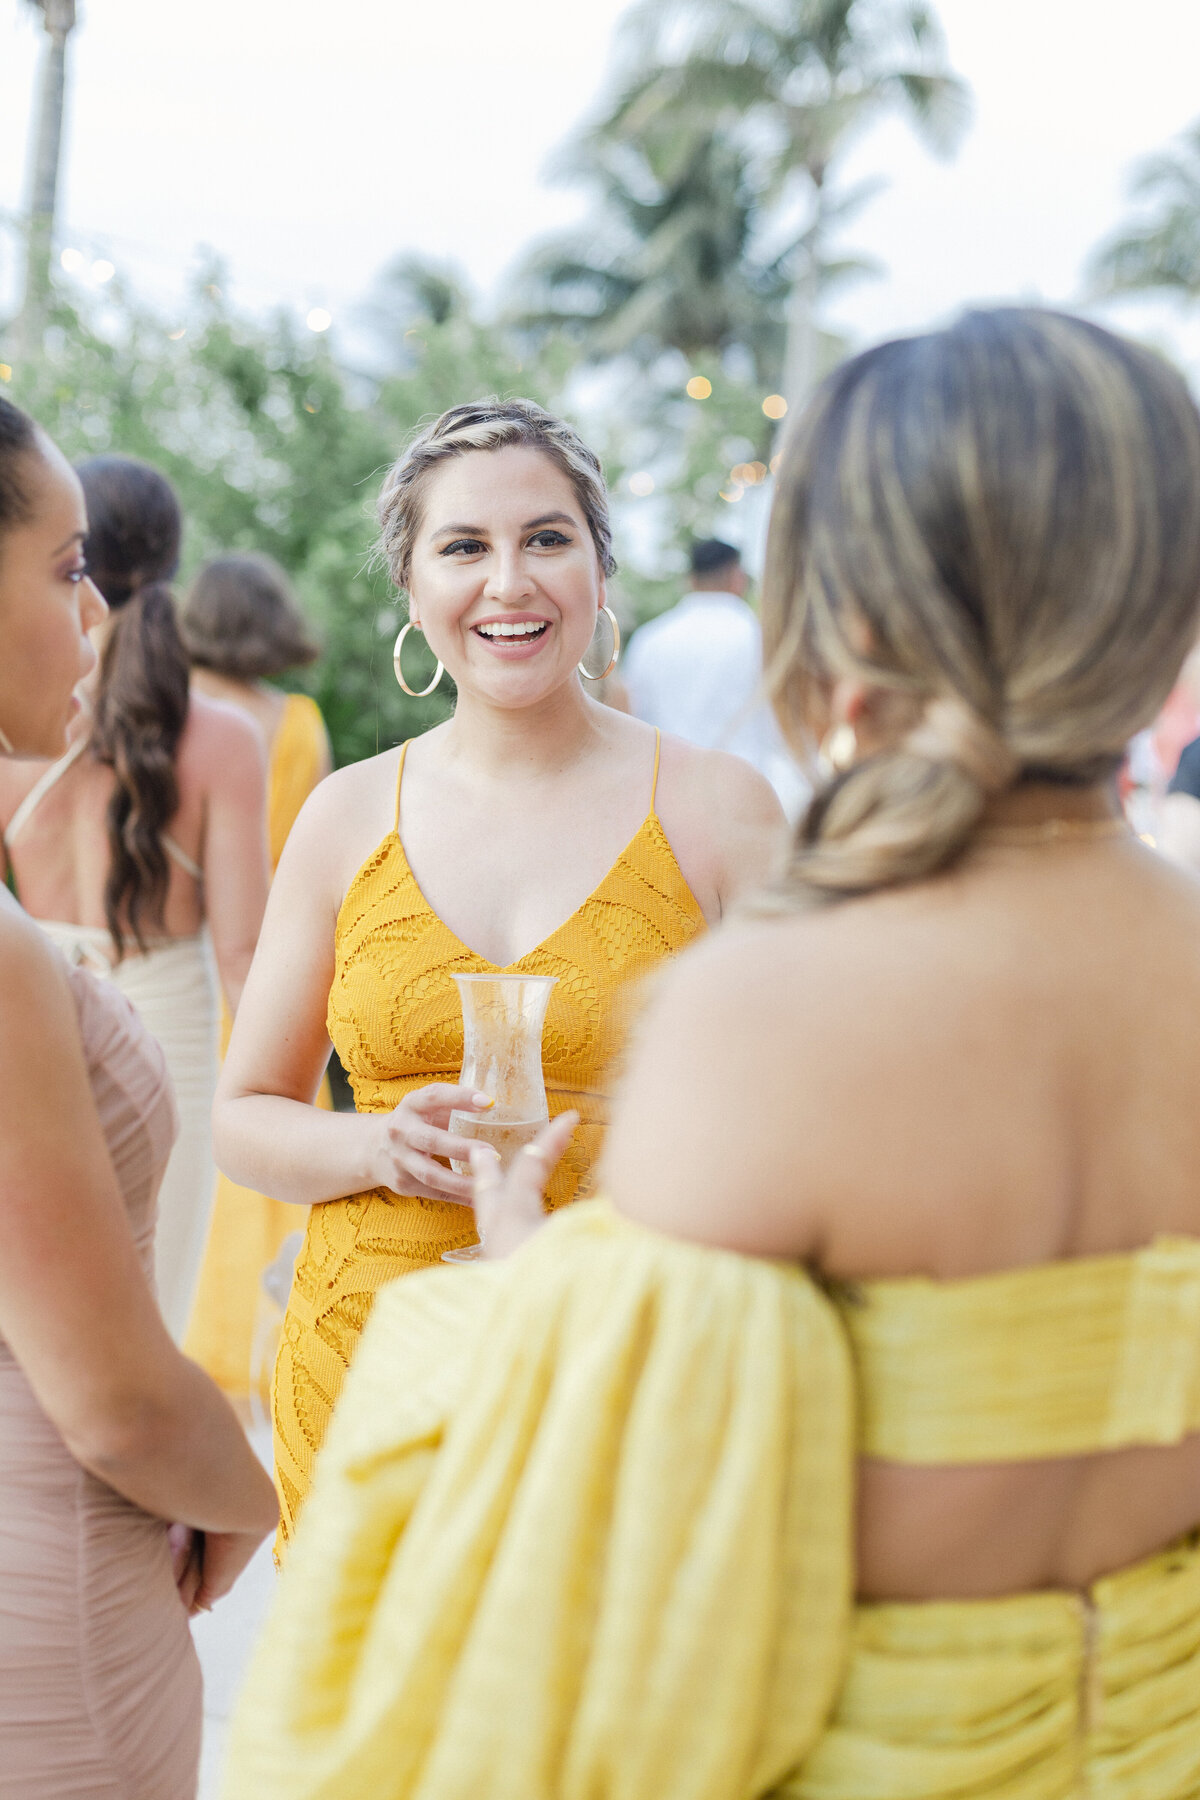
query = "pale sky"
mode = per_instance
[{"x": 308, "y": 143}]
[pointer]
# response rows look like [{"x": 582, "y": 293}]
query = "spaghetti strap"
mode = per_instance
[
  {"x": 399, "y": 779},
  {"x": 41, "y": 788},
  {"x": 180, "y": 857},
  {"x": 657, "y": 754}
]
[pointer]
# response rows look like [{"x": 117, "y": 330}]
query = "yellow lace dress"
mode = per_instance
[
  {"x": 248, "y": 1229},
  {"x": 583, "y": 1530},
  {"x": 395, "y": 1022}
]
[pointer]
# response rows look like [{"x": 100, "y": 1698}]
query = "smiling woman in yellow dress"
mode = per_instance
[
  {"x": 536, "y": 832},
  {"x": 852, "y": 1452}
]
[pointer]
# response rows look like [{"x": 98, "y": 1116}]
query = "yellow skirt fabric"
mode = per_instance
[
  {"x": 1039, "y": 1697},
  {"x": 582, "y": 1530}
]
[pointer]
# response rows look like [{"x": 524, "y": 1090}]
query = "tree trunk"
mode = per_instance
[
  {"x": 59, "y": 20},
  {"x": 801, "y": 366}
]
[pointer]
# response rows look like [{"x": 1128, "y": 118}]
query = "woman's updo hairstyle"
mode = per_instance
[
  {"x": 490, "y": 424},
  {"x": 134, "y": 533},
  {"x": 996, "y": 527},
  {"x": 242, "y": 620}
]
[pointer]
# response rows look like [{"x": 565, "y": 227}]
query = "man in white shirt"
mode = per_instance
[{"x": 697, "y": 670}]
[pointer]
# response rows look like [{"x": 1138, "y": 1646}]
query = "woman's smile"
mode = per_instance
[{"x": 512, "y": 638}]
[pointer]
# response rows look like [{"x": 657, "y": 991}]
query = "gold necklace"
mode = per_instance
[{"x": 1054, "y": 831}]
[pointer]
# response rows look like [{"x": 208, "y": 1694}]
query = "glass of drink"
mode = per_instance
[{"x": 503, "y": 1018}]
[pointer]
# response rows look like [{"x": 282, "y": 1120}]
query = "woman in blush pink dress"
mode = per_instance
[{"x": 108, "y": 1436}]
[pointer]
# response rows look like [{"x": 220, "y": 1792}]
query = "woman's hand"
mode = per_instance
[
  {"x": 415, "y": 1132},
  {"x": 222, "y": 1557},
  {"x": 509, "y": 1208}
]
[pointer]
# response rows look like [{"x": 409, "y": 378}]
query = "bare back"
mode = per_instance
[
  {"x": 991, "y": 1070},
  {"x": 59, "y": 857}
]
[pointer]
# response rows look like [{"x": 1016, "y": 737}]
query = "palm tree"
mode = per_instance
[
  {"x": 1162, "y": 248},
  {"x": 58, "y": 19},
  {"x": 669, "y": 259},
  {"x": 795, "y": 81}
]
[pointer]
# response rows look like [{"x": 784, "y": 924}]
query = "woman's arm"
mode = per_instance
[
  {"x": 749, "y": 826},
  {"x": 234, "y": 858},
  {"x": 724, "y": 823},
  {"x": 267, "y": 1133},
  {"x": 75, "y": 1307}
]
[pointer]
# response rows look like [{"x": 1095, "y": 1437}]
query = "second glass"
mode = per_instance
[{"x": 503, "y": 1020}]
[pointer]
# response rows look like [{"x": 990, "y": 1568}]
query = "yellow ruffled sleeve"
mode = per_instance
[{"x": 581, "y": 1530}]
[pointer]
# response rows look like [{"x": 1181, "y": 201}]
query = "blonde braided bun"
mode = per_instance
[{"x": 996, "y": 530}]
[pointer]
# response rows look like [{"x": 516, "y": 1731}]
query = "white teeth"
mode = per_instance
[{"x": 526, "y": 628}]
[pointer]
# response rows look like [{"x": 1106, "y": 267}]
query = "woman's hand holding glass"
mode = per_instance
[
  {"x": 510, "y": 1207},
  {"x": 413, "y": 1134}
]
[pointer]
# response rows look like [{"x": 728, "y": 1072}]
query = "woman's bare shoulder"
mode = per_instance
[
  {"x": 722, "y": 817},
  {"x": 33, "y": 982}
]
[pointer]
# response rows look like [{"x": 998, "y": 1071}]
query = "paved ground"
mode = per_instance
[{"x": 224, "y": 1639}]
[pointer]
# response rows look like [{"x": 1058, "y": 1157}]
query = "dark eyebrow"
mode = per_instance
[
  {"x": 554, "y": 518},
  {"x": 76, "y": 537}
]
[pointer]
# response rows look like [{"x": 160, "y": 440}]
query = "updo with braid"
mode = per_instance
[{"x": 997, "y": 528}]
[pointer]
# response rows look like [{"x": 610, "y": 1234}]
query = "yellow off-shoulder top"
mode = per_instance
[{"x": 582, "y": 1530}]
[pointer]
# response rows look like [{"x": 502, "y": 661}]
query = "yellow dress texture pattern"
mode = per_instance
[
  {"x": 583, "y": 1530},
  {"x": 395, "y": 1020},
  {"x": 248, "y": 1229}
]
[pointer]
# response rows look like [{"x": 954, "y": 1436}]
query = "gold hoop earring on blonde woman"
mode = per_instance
[
  {"x": 5, "y": 744},
  {"x": 414, "y": 693},
  {"x": 611, "y": 616}
]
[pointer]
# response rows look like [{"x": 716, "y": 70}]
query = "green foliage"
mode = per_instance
[
  {"x": 1159, "y": 249},
  {"x": 273, "y": 447}
]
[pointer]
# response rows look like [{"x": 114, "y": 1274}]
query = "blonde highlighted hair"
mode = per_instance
[
  {"x": 997, "y": 528},
  {"x": 490, "y": 424}
]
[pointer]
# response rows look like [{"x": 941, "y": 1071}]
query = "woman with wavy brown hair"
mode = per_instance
[
  {"x": 142, "y": 850},
  {"x": 851, "y": 1449}
]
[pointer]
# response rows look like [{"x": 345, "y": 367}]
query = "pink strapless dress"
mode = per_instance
[{"x": 100, "y": 1693}]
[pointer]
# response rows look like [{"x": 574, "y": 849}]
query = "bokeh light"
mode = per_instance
[
  {"x": 641, "y": 483},
  {"x": 699, "y": 387},
  {"x": 774, "y": 406},
  {"x": 318, "y": 319},
  {"x": 102, "y": 271},
  {"x": 72, "y": 261}
]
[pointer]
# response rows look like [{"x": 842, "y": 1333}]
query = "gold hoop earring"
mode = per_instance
[
  {"x": 6, "y": 744},
  {"x": 616, "y": 647},
  {"x": 414, "y": 693},
  {"x": 839, "y": 748}
]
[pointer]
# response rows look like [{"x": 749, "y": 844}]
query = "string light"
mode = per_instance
[
  {"x": 775, "y": 406},
  {"x": 699, "y": 388}
]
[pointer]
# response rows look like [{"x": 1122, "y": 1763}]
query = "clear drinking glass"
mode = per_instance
[{"x": 503, "y": 1019}]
